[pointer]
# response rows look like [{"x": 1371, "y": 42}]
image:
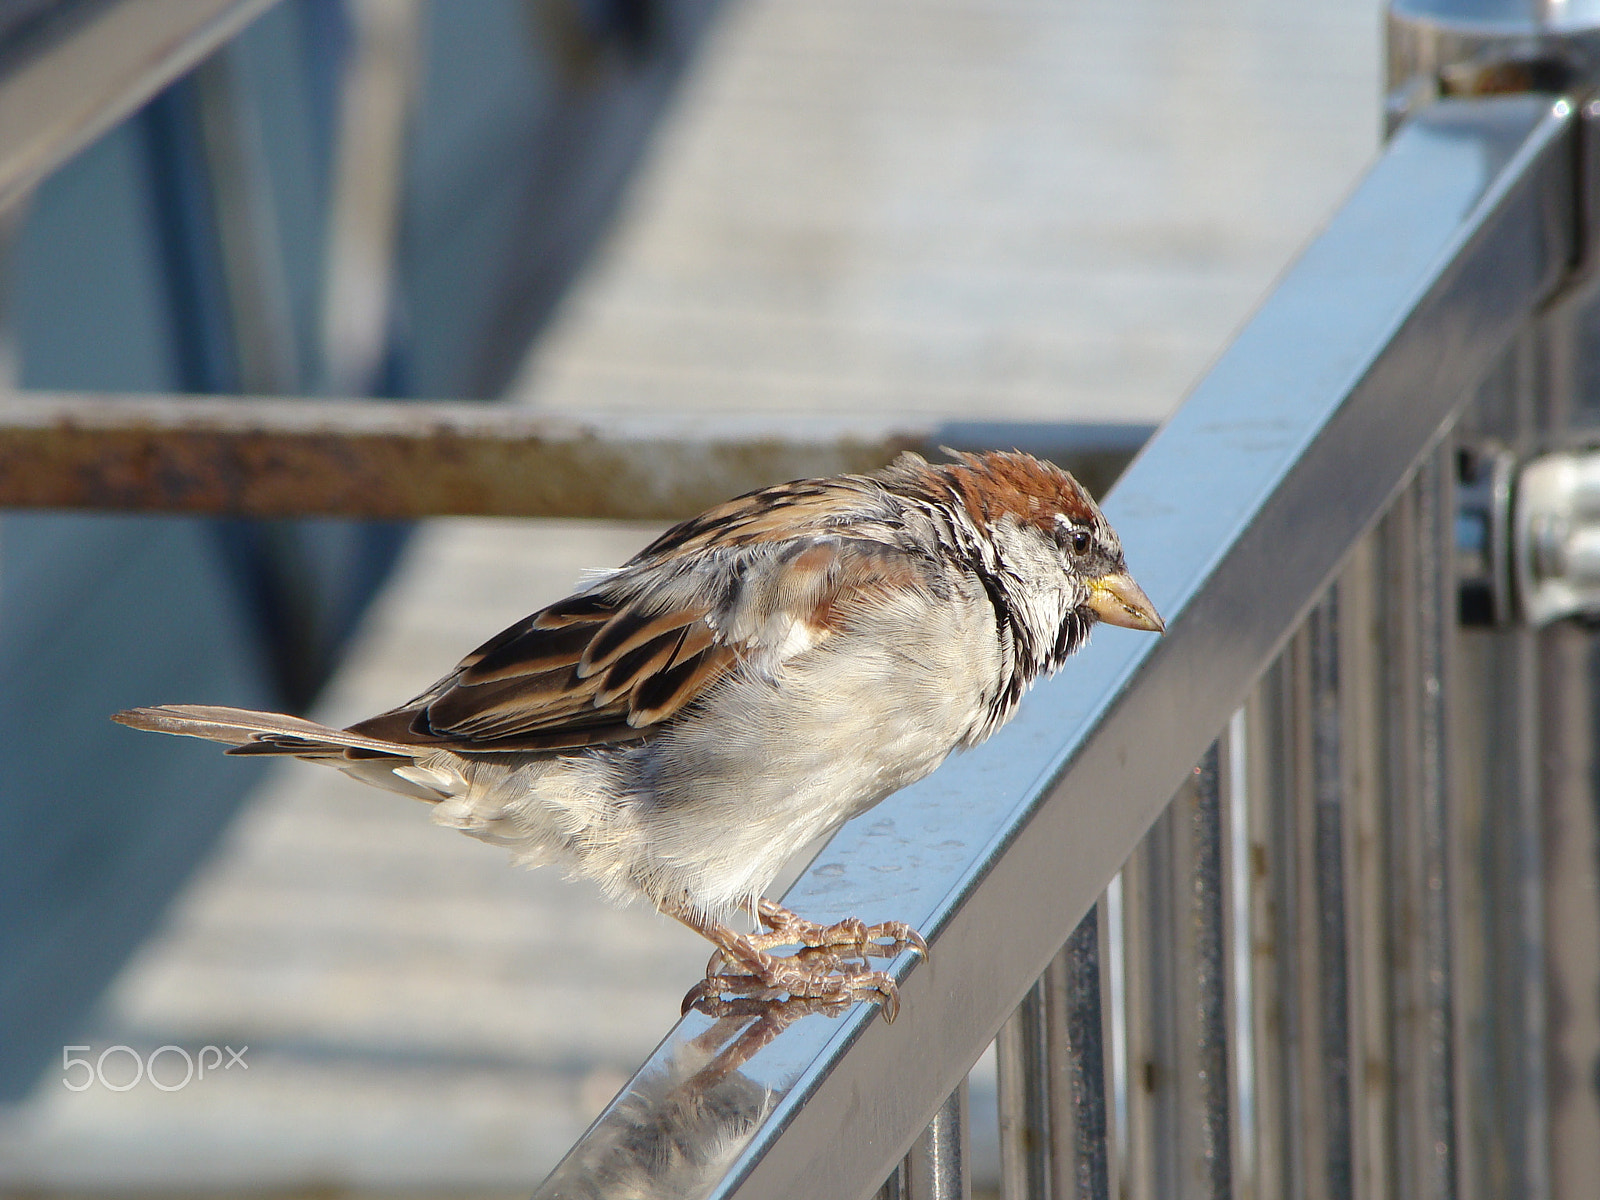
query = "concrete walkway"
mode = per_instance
[
  {"x": 1006, "y": 208},
  {"x": 1018, "y": 208}
]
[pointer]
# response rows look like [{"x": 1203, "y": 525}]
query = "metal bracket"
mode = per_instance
[
  {"x": 1555, "y": 524},
  {"x": 1442, "y": 48},
  {"x": 1527, "y": 537}
]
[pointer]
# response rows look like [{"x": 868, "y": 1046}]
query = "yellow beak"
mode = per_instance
[{"x": 1118, "y": 600}]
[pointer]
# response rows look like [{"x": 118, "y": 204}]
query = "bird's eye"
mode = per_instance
[{"x": 1080, "y": 541}]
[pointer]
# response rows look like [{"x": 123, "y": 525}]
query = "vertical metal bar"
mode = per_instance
[
  {"x": 1412, "y": 1045},
  {"x": 938, "y": 1165},
  {"x": 1313, "y": 967},
  {"x": 894, "y": 1187},
  {"x": 1368, "y": 914},
  {"x": 1054, "y": 1121},
  {"x": 1515, "y": 1090},
  {"x": 1237, "y": 912},
  {"x": 1436, "y": 612},
  {"x": 1150, "y": 1056},
  {"x": 1571, "y": 848},
  {"x": 1324, "y": 977},
  {"x": 1302, "y": 978},
  {"x": 1273, "y": 1018},
  {"x": 1177, "y": 997},
  {"x": 1082, "y": 985},
  {"x": 1497, "y": 881},
  {"x": 1114, "y": 989},
  {"x": 1023, "y": 1066},
  {"x": 1500, "y": 988},
  {"x": 1203, "y": 989},
  {"x": 1414, "y": 552}
]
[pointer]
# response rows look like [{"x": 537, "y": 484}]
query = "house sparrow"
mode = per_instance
[{"x": 748, "y": 682}]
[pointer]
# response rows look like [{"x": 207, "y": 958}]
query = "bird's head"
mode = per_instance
[{"x": 1053, "y": 562}]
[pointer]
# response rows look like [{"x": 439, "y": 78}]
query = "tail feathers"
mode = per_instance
[
  {"x": 393, "y": 766},
  {"x": 259, "y": 732}
]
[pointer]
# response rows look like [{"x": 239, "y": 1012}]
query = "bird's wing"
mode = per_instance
[{"x": 736, "y": 589}]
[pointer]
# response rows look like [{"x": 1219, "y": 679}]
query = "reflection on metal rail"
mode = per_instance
[{"x": 1344, "y": 1044}]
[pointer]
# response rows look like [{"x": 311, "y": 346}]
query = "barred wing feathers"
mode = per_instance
[{"x": 610, "y": 664}]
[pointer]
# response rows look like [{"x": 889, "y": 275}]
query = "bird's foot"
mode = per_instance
[
  {"x": 786, "y": 928},
  {"x": 817, "y": 978},
  {"x": 828, "y": 972}
]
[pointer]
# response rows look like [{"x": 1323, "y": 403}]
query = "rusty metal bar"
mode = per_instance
[{"x": 290, "y": 457}]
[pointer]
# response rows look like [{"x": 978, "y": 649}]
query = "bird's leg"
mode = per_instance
[
  {"x": 791, "y": 929},
  {"x": 761, "y": 975}
]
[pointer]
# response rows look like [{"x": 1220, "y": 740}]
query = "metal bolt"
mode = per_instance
[{"x": 1556, "y": 537}]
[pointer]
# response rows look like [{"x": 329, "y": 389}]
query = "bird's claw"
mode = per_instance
[
  {"x": 825, "y": 977},
  {"x": 786, "y": 928},
  {"x": 900, "y": 936},
  {"x": 829, "y": 970}
]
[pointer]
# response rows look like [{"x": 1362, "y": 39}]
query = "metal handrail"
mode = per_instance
[{"x": 1236, "y": 515}]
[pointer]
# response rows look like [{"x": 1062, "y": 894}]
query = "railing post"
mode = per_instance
[
  {"x": 939, "y": 1165},
  {"x": 1415, "y": 541},
  {"x": 1369, "y": 913},
  {"x": 1054, "y": 1113},
  {"x": 1176, "y": 997},
  {"x": 1027, "y": 1086},
  {"x": 1570, "y": 844},
  {"x": 1085, "y": 986},
  {"x": 1300, "y": 978}
]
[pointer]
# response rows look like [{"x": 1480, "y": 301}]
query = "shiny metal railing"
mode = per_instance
[{"x": 1291, "y": 989}]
